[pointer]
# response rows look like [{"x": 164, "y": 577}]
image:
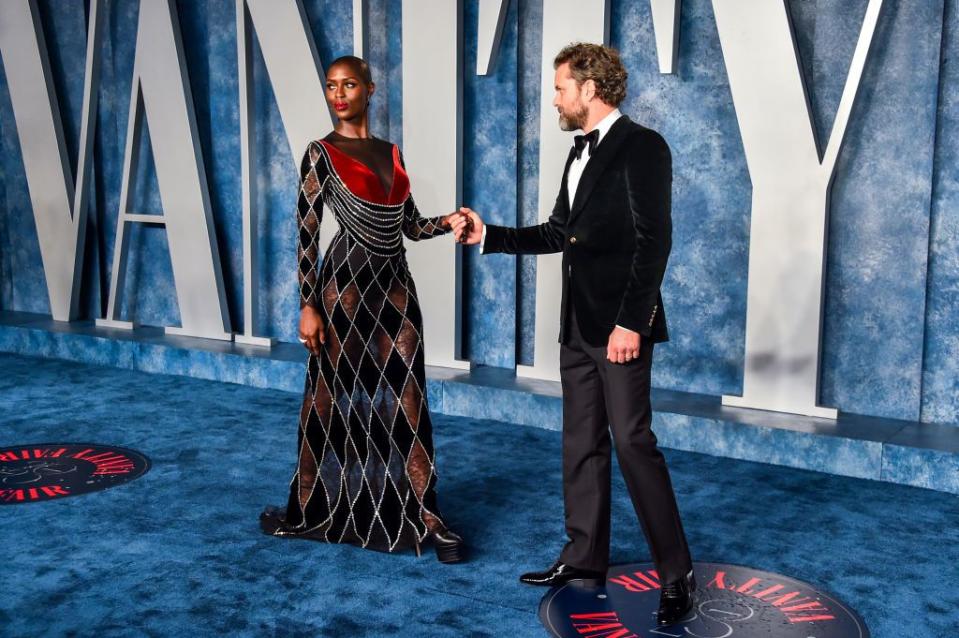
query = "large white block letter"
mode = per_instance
[
  {"x": 161, "y": 93},
  {"x": 787, "y": 240},
  {"x": 59, "y": 206}
]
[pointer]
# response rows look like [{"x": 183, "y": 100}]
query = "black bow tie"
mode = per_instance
[{"x": 581, "y": 140}]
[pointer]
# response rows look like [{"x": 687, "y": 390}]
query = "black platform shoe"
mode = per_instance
[
  {"x": 559, "y": 574},
  {"x": 449, "y": 546},
  {"x": 676, "y": 600},
  {"x": 272, "y": 521}
]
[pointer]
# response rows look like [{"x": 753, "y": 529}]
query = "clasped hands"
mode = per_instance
[{"x": 466, "y": 225}]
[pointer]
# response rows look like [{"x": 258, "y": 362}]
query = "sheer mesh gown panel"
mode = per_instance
[{"x": 365, "y": 473}]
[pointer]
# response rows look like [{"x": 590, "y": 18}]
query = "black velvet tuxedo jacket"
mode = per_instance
[{"x": 615, "y": 236}]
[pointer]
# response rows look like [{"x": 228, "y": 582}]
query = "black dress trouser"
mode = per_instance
[{"x": 598, "y": 396}]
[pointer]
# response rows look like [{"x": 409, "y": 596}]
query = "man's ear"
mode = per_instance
[{"x": 589, "y": 90}]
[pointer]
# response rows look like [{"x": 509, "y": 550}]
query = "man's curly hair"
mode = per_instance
[{"x": 598, "y": 63}]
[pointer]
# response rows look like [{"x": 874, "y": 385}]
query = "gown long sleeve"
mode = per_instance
[{"x": 309, "y": 214}]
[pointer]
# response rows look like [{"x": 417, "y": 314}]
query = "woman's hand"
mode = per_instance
[{"x": 312, "y": 331}]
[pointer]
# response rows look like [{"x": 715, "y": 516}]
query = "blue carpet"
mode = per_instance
[{"x": 178, "y": 552}]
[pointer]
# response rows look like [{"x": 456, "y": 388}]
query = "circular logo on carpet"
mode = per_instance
[
  {"x": 46, "y": 471},
  {"x": 731, "y": 602}
]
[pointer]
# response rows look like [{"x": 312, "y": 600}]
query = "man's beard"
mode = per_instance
[{"x": 573, "y": 121}]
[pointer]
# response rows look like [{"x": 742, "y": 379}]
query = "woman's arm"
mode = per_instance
[
  {"x": 309, "y": 214},
  {"x": 417, "y": 227}
]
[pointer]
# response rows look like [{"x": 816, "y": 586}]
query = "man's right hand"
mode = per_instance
[
  {"x": 312, "y": 332},
  {"x": 476, "y": 233}
]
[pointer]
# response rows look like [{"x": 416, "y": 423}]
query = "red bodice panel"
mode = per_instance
[{"x": 364, "y": 183}]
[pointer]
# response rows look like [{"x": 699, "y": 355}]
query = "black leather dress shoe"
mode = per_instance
[
  {"x": 559, "y": 574},
  {"x": 676, "y": 600},
  {"x": 449, "y": 546}
]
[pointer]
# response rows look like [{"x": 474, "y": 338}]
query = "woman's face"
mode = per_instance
[{"x": 346, "y": 93}]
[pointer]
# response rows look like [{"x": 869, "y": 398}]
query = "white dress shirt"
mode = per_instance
[{"x": 577, "y": 167}]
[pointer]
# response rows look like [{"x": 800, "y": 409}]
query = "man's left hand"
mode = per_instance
[{"x": 623, "y": 345}]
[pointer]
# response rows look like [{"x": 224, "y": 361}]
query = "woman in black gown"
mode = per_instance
[{"x": 365, "y": 472}]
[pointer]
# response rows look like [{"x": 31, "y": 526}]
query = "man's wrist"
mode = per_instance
[{"x": 483, "y": 241}]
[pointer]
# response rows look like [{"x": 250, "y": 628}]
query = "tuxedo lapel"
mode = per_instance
[
  {"x": 564, "y": 183},
  {"x": 598, "y": 162}
]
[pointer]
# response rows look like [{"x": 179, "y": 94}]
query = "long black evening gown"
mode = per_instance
[{"x": 365, "y": 473}]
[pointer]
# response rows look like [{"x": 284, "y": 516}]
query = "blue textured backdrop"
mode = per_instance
[{"x": 891, "y": 340}]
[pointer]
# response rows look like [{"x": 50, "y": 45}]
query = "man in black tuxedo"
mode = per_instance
[{"x": 612, "y": 223}]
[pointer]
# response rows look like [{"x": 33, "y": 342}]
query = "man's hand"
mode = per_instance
[
  {"x": 474, "y": 234},
  {"x": 312, "y": 332},
  {"x": 623, "y": 345}
]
